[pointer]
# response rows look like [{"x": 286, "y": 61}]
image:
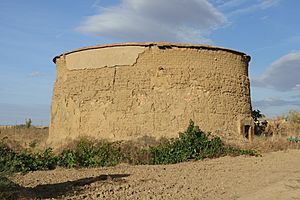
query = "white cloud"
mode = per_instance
[
  {"x": 239, "y": 7},
  {"x": 271, "y": 102},
  {"x": 268, "y": 3},
  {"x": 297, "y": 87},
  {"x": 282, "y": 75},
  {"x": 36, "y": 74},
  {"x": 155, "y": 20},
  {"x": 95, "y": 3},
  {"x": 229, "y": 4},
  {"x": 296, "y": 96},
  {"x": 272, "y": 107}
]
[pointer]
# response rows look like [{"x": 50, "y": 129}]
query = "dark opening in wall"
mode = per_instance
[{"x": 246, "y": 131}]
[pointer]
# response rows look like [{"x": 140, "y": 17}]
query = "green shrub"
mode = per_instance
[
  {"x": 193, "y": 144},
  {"x": 24, "y": 161},
  {"x": 89, "y": 154},
  {"x": 236, "y": 152},
  {"x": 259, "y": 125},
  {"x": 7, "y": 158},
  {"x": 28, "y": 124},
  {"x": 67, "y": 158}
]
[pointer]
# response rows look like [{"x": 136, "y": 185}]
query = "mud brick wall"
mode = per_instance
[{"x": 126, "y": 91}]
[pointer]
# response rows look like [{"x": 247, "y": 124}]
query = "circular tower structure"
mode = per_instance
[{"x": 130, "y": 90}]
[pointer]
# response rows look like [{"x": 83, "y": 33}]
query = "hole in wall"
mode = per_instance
[
  {"x": 164, "y": 47},
  {"x": 246, "y": 131}
]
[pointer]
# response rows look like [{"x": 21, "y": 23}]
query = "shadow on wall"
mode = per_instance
[{"x": 49, "y": 191}]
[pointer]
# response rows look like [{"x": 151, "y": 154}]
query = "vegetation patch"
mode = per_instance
[
  {"x": 193, "y": 144},
  {"x": 90, "y": 154},
  {"x": 24, "y": 161}
]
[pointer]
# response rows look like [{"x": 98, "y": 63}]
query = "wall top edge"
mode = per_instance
[{"x": 159, "y": 44}]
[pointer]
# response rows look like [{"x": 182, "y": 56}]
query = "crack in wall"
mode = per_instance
[
  {"x": 104, "y": 58},
  {"x": 114, "y": 79}
]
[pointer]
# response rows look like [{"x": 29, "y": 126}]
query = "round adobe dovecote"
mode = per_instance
[{"x": 129, "y": 90}]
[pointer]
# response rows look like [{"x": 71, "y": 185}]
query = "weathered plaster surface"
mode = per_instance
[
  {"x": 154, "y": 90},
  {"x": 103, "y": 57}
]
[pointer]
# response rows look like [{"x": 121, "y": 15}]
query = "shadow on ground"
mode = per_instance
[{"x": 12, "y": 190}]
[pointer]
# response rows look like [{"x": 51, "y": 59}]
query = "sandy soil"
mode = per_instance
[{"x": 272, "y": 176}]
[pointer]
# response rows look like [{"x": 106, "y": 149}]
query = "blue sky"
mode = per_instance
[{"x": 32, "y": 32}]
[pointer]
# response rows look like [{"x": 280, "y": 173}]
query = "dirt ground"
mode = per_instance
[{"x": 273, "y": 176}]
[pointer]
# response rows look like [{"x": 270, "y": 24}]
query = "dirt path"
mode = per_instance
[{"x": 273, "y": 176}]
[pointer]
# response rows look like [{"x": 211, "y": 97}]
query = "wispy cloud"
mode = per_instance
[
  {"x": 275, "y": 102},
  {"x": 96, "y": 4},
  {"x": 59, "y": 35},
  {"x": 284, "y": 42},
  {"x": 36, "y": 74},
  {"x": 281, "y": 75},
  {"x": 268, "y": 3},
  {"x": 296, "y": 96},
  {"x": 239, "y": 7},
  {"x": 229, "y": 4},
  {"x": 155, "y": 20}
]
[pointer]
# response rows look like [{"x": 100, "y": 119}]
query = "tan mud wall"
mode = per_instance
[
  {"x": 154, "y": 92},
  {"x": 104, "y": 57}
]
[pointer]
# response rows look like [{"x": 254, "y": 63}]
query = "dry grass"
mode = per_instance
[
  {"x": 279, "y": 127},
  {"x": 271, "y": 144},
  {"x": 20, "y": 138},
  {"x": 275, "y": 138}
]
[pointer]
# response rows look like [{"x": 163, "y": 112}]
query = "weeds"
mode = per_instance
[
  {"x": 293, "y": 116},
  {"x": 68, "y": 159},
  {"x": 24, "y": 161},
  {"x": 259, "y": 124},
  {"x": 89, "y": 154},
  {"x": 27, "y": 124},
  {"x": 193, "y": 144}
]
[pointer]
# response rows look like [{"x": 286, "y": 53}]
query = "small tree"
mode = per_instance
[
  {"x": 28, "y": 123},
  {"x": 256, "y": 115},
  {"x": 259, "y": 125}
]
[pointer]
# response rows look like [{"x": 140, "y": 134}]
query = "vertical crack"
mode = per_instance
[{"x": 114, "y": 78}]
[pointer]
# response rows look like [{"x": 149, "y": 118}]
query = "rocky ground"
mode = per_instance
[{"x": 272, "y": 176}]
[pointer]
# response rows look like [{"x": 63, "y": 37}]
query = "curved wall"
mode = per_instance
[{"x": 126, "y": 91}]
